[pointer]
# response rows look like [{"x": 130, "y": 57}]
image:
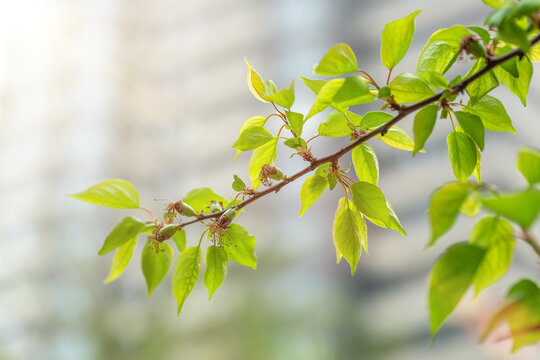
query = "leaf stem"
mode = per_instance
[
  {"x": 388, "y": 78},
  {"x": 369, "y": 78},
  {"x": 531, "y": 240},
  {"x": 148, "y": 212}
]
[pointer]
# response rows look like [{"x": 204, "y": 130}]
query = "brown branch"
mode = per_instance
[
  {"x": 403, "y": 112},
  {"x": 529, "y": 239}
]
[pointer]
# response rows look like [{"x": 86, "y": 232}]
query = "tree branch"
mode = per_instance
[{"x": 402, "y": 113}]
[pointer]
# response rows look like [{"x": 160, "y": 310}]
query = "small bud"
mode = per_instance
[
  {"x": 278, "y": 175},
  {"x": 215, "y": 207},
  {"x": 168, "y": 230},
  {"x": 225, "y": 219},
  {"x": 471, "y": 45},
  {"x": 270, "y": 172},
  {"x": 184, "y": 209}
]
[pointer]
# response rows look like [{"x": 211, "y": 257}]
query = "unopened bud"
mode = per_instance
[
  {"x": 215, "y": 207},
  {"x": 227, "y": 217},
  {"x": 185, "y": 209},
  {"x": 472, "y": 45},
  {"x": 168, "y": 230},
  {"x": 270, "y": 172}
]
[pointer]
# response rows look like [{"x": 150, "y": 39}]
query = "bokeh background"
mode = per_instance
[{"x": 155, "y": 92}]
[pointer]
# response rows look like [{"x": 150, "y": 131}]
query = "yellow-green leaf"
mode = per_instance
[
  {"x": 252, "y": 137},
  {"x": 124, "y": 231},
  {"x": 462, "y": 154},
  {"x": 155, "y": 264},
  {"x": 113, "y": 193},
  {"x": 216, "y": 268},
  {"x": 261, "y": 156},
  {"x": 424, "y": 122},
  {"x": 311, "y": 190},
  {"x": 186, "y": 272},
  {"x": 340, "y": 59},
  {"x": 398, "y": 138},
  {"x": 365, "y": 163},
  {"x": 350, "y": 232},
  {"x": 121, "y": 259},
  {"x": 370, "y": 200},
  {"x": 529, "y": 164},
  {"x": 255, "y": 83},
  {"x": 408, "y": 88},
  {"x": 396, "y": 39},
  {"x": 240, "y": 246}
]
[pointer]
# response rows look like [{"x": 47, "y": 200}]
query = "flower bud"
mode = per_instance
[
  {"x": 278, "y": 174},
  {"x": 215, "y": 207},
  {"x": 472, "y": 45},
  {"x": 168, "y": 230},
  {"x": 184, "y": 209},
  {"x": 225, "y": 219}
]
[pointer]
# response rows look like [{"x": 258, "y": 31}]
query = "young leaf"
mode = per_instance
[
  {"x": 296, "y": 121},
  {"x": 255, "y": 83},
  {"x": 155, "y": 265},
  {"x": 121, "y": 259},
  {"x": 444, "y": 207},
  {"x": 186, "y": 272},
  {"x": 350, "y": 232},
  {"x": 473, "y": 126},
  {"x": 311, "y": 190},
  {"x": 336, "y": 124},
  {"x": 492, "y": 113},
  {"x": 369, "y": 199},
  {"x": 495, "y": 235},
  {"x": 529, "y": 164},
  {"x": 252, "y": 138},
  {"x": 284, "y": 97},
  {"x": 315, "y": 85},
  {"x": 374, "y": 119},
  {"x": 518, "y": 85},
  {"x": 434, "y": 78},
  {"x": 495, "y": 3},
  {"x": 398, "y": 138},
  {"x": 201, "y": 198},
  {"x": 472, "y": 204},
  {"x": 124, "y": 231},
  {"x": 408, "y": 88},
  {"x": 261, "y": 156},
  {"x": 396, "y": 39},
  {"x": 338, "y": 60},
  {"x": 295, "y": 143},
  {"x": 113, "y": 193},
  {"x": 437, "y": 56},
  {"x": 481, "y": 86},
  {"x": 450, "y": 278},
  {"x": 240, "y": 246},
  {"x": 179, "y": 239},
  {"x": 462, "y": 154},
  {"x": 365, "y": 163},
  {"x": 216, "y": 268},
  {"x": 395, "y": 224},
  {"x": 238, "y": 184},
  {"x": 253, "y": 121},
  {"x": 520, "y": 207},
  {"x": 424, "y": 121}
]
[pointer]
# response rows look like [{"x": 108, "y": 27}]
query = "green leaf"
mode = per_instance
[
  {"x": 369, "y": 199},
  {"x": 114, "y": 193},
  {"x": 296, "y": 122},
  {"x": 284, "y": 97},
  {"x": 481, "y": 86},
  {"x": 179, "y": 239},
  {"x": 295, "y": 143},
  {"x": 534, "y": 52},
  {"x": 255, "y": 83},
  {"x": 338, "y": 60},
  {"x": 396, "y": 39},
  {"x": 444, "y": 207},
  {"x": 495, "y": 3},
  {"x": 253, "y": 121},
  {"x": 186, "y": 272},
  {"x": 395, "y": 224},
  {"x": 332, "y": 180},
  {"x": 261, "y": 156},
  {"x": 529, "y": 164},
  {"x": 365, "y": 163},
  {"x": 156, "y": 265},
  {"x": 522, "y": 207},
  {"x": 492, "y": 113},
  {"x": 450, "y": 278},
  {"x": 437, "y": 56},
  {"x": 216, "y": 268},
  {"x": 495, "y": 235},
  {"x": 252, "y": 138},
  {"x": 517, "y": 85},
  {"x": 408, "y": 88},
  {"x": 374, "y": 119},
  {"x": 124, "y": 231},
  {"x": 483, "y": 33},
  {"x": 315, "y": 85},
  {"x": 350, "y": 232},
  {"x": 473, "y": 126},
  {"x": 477, "y": 173},
  {"x": 201, "y": 198},
  {"x": 311, "y": 190},
  {"x": 336, "y": 124},
  {"x": 424, "y": 122},
  {"x": 121, "y": 259},
  {"x": 434, "y": 78},
  {"x": 238, "y": 184},
  {"x": 398, "y": 139},
  {"x": 462, "y": 154},
  {"x": 472, "y": 204},
  {"x": 240, "y": 246}
]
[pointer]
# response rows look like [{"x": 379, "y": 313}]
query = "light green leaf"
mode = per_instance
[
  {"x": 336, "y": 124},
  {"x": 238, "y": 184},
  {"x": 216, "y": 268},
  {"x": 481, "y": 86},
  {"x": 495, "y": 3},
  {"x": 473, "y": 126},
  {"x": 315, "y": 85},
  {"x": 522, "y": 207},
  {"x": 255, "y": 83},
  {"x": 374, "y": 119},
  {"x": 518, "y": 85},
  {"x": 437, "y": 56},
  {"x": 444, "y": 207},
  {"x": 451, "y": 36},
  {"x": 477, "y": 173},
  {"x": 462, "y": 154},
  {"x": 156, "y": 265},
  {"x": 395, "y": 224},
  {"x": 350, "y": 232},
  {"x": 261, "y": 156},
  {"x": 113, "y": 193},
  {"x": 424, "y": 122},
  {"x": 495, "y": 235},
  {"x": 398, "y": 138},
  {"x": 186, "y": 272},
  {"x": 253, "y": 121},
  {"x": 408, "y": 88},
  {"x": 529, "y": 164},
  {"x": 338, "y": 60},
  {"x": 252, "y": 137},
  {"x": 534, "y": 52},
  {"x": 124, "y": 231},
  {"x": 369, "y": 199},
  {"x": 179, "y": 239},
  {"x": 483, "y": 33},
  {"x": 472, "y": 204},
  {"x": 201, "y": 198},
  {"x": 450, "y": 278},
  {"x": 365, "y": 163},
  {"x": 284, "y": 97},
  {"x": 434, "y": 78},
  {"x": 492, "y": 113},
  {"x": 240, "y": 245},
  {"x": 311, "y": 190},
  {"x": 296, "y": 122},
  {"x": 121, "y": 259},
  {"x": 396, "y": 39}
]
